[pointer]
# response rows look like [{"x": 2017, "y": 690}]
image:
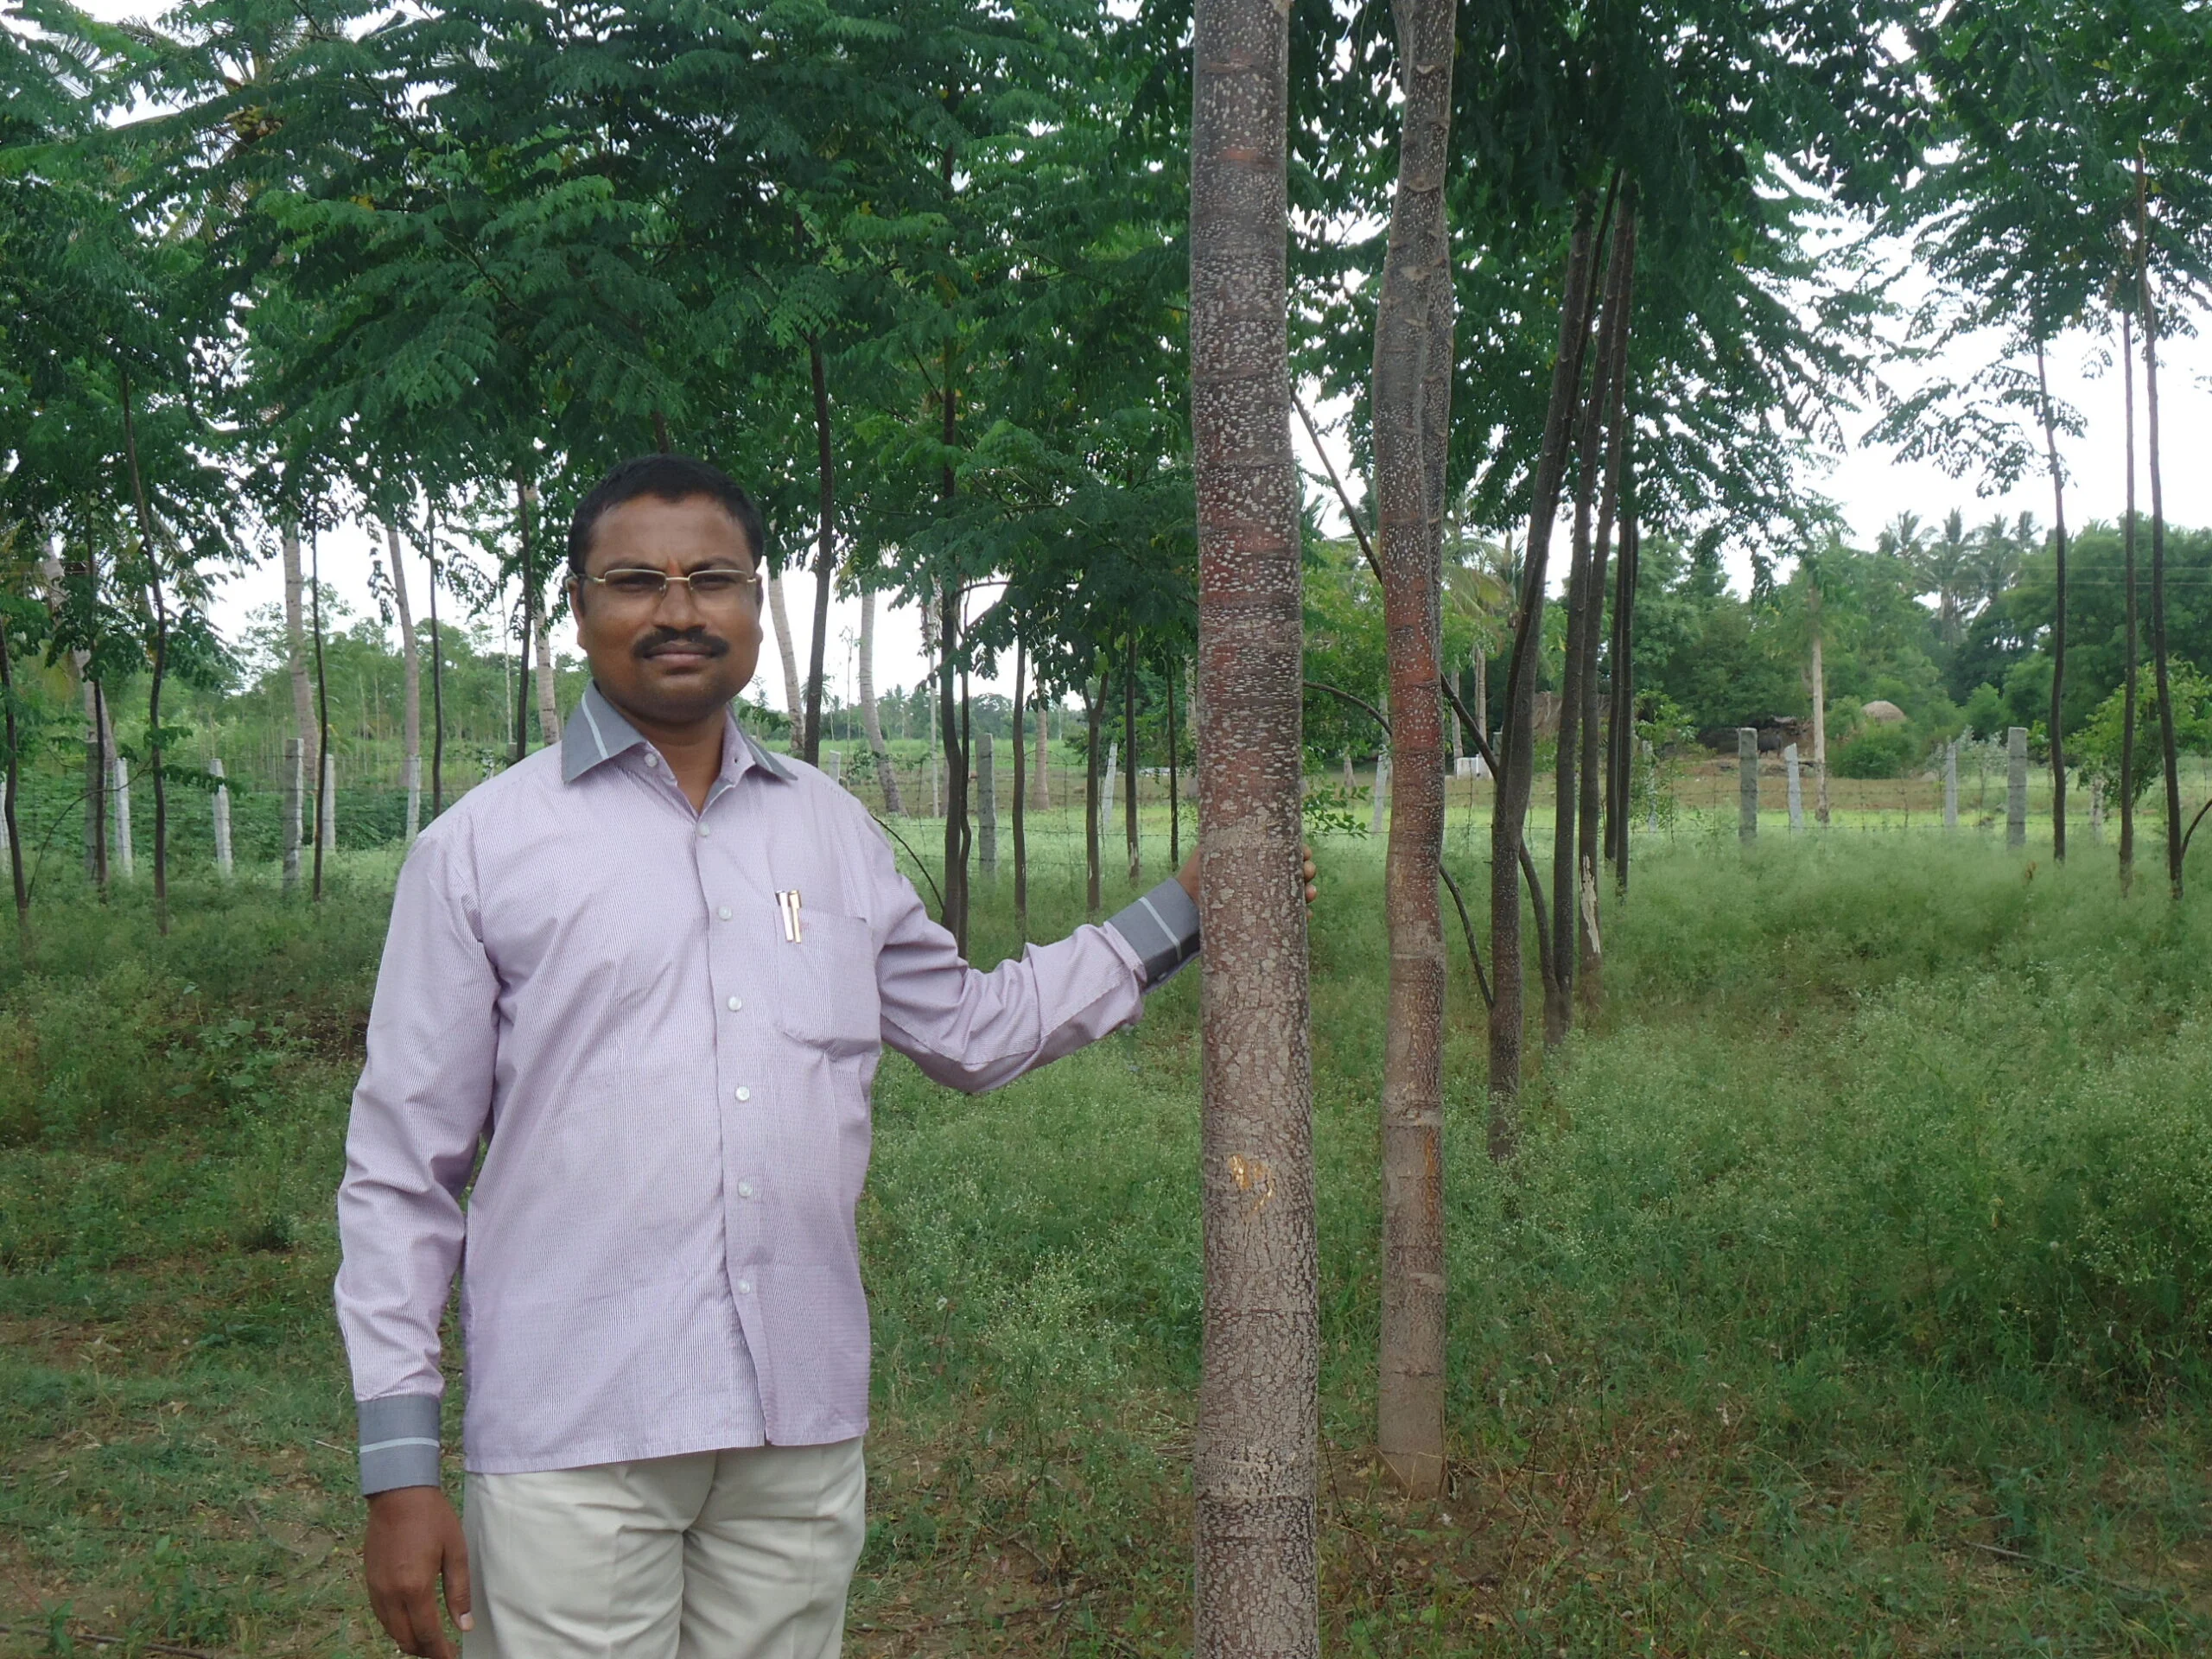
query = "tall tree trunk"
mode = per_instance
[
  {"x": 871, "y": 717},
  {"x": 1820, "y": 713},
  {"x": 437, "y": 681},
  {"x": 825, "y": 561},
  {"x": 1516, "y": 763},
  {"x": 1094, "y": 710},
  {"x": 956, "y": 837},
  {"x": 1040, "y": 786},
  {"x": 528, "y": 576},
  {"x": 2057, "y": 621},
  {"x": 1174, "y": 799},
  {"x": 410, "y": 698},
  {"x": 549, "y": 701},
  {"x": 1619, "y": 807},
  {"x": 2134, "y": 645},
  {"x": 150, "y": 553},
  {"x": 9, "y": 785},
  {"x": 1129, "y": 761},
  {"x": 1255, "y": 1588},
  {"x": 1411, "y": 405},
  {"x": 323, "y": 805},
  {"x": 780, "y": 618},
  {"x": 1020, "y": 821},
  {"x": 1588, "y": 951},
  {"x": 296, "y": 652},
  {"x": 96, "y": 764},
  {"x": 2158, "y": 661}
]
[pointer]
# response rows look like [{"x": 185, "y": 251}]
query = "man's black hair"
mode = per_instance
[{"x": 671, "y": 477}]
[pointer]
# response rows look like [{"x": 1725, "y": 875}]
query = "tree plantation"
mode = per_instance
[{"x": 1723, "y": 1166}]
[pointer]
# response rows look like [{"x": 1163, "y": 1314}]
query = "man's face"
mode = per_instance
[{"x": 671, "y": 659}]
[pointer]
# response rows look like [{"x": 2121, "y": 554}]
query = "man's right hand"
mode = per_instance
[{"x": 414, "y": 1541}]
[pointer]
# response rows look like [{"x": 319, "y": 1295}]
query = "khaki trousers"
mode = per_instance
[{"x": 739, "y": 1554}]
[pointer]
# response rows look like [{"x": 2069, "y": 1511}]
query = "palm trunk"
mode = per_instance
[
  {"x": 1130, "y": 762},
  {"x": 779, "y": 616},
  {"x": 9, "y": 785},
  {"x": 1516, "y": 767},
  {"x": 527, "y": 574},
  {"x": 1411, "y": 405},
  {"x": 437, "y": 683},
  {"x": 1020, "y": 822},
  {"x": 825, "y": 561},
  {"x": 410, "y": 730},
  {"x": 303, "y": 701},
  {"x": 1255, "y": 1586},
  {"x": 2134, "y": 648},
  {"x": 323, "y": 804},
  {"x": 150, "y": 553},
  {"x": 871, "y": 717},
  {"x": 2057, "y": 621}
]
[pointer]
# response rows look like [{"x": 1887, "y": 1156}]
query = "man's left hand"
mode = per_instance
[{"x": 1188, "y": 875}]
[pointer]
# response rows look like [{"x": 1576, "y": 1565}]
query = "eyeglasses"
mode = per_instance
[{"x": 710, "y": 586}]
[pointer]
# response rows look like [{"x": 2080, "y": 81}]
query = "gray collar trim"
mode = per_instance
[{"x": 597, "y": 732}]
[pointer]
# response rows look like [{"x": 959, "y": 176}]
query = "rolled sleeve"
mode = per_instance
[
  {"x": 419, "y": 1112},
  {"x": 1162, "y": 928}
]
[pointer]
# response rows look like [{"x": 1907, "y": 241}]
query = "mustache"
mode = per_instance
[{"x": 692, "y": 639}]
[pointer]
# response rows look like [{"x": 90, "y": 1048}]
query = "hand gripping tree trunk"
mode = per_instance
[
  {"x": 410, "y": 703},
  {"x": 871, "y": 716},
  {"x": 1411, "y": 404},
  {"x": 1256, "y": 1585},
  {"x": 2058, "y": 619},
  {"x": 1516, "y": 769}
]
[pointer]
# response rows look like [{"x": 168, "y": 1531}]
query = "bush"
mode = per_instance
[{"x": 1880, "y": 751}]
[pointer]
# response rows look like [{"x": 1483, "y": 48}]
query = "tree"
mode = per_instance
[{"x": 1255, "y": 1585}]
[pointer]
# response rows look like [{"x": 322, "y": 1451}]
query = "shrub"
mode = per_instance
[{"x": 1879, "y": 752}]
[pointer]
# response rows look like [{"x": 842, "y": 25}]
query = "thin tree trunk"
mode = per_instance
[
  {"x": 1620, "y": 805},
  {"x": 411, "y": 729},
  {"x": 871, "y": 717},
  {"x": 12, "y": 782},
  {"x": 303, "y": 697},
  {"x": 1041, "y": 785},
  {"x": 528, "y": 576},
  {"x": 1819, "y": 714},
  {"x": 96, "y": 792},
  {"x": 1094, "y": 708},
  {"x": 323, "y": 774},
  {"x": 1588, "y": 951},
  {"x": 956, "y": 751},
  {"x": 779, "y": 616},
  {"x": 437, "y": 683},
  {"x": 825, "y": 564},
  {"x": 1174, "y": 799},
  {"x": 2057, "y": 621},
  {"x": 151, "y": 554},
  {"x": 1020, "y": 821},
  {"x": 1129, "y": 761},
  {"x": 1516, "y": 767},
  {"x": 2158, "y": 662},
  {"x": 1410, "y": 403},
  {"x": 1256, "y": 1584},
  {"x": 2134, "y": 646}
]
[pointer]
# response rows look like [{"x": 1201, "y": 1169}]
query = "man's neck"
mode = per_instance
[{"x": 693, "y": 749}]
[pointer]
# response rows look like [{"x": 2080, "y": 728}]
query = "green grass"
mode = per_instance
[{"x": 1852, "y": 1294}]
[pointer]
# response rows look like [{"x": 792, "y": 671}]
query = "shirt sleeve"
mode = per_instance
[
  {"x": 976, "y": 1030},
  {"x": 419, "y": 1112}
]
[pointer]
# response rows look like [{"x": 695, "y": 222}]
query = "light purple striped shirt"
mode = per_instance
[{"x": 597, "y": 988}]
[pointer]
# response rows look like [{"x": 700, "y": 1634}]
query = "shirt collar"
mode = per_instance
[{"x": 597, "y": 732}]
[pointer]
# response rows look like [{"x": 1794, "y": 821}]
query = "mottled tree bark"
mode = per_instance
[
  {"x": 1411, "y": 405},
  {"x": 1515, "y": 761},
  {"x": 1255, "y": 1588}
]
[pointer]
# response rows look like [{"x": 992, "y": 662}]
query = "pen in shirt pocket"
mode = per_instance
[{"x": 787, "y": 903}]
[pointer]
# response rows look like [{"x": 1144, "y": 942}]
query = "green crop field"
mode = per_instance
[{"x": 1850, "y": 1296}]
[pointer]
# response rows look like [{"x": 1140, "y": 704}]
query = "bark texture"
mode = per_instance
[
  {"x": 1411, "y": 405},
  {"x": 1255, "y": 1588}
]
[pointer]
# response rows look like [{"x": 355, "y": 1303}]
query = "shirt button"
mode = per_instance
[
  {"x": 745, "y": 1189},
  {"x": 745, "y": 1286},
  {"x": 653, "y": 757},
  {"x": 736, "y": 1004},
  {"x": 723, "y": 912},
  {"x": 704, "y": 832},
  {"x": 744, "y": 1093}
]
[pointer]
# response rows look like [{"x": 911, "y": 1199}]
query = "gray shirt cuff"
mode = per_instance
[
  {"x": 1162, "y": 928},
  {"x": 399, "y": 1442}
]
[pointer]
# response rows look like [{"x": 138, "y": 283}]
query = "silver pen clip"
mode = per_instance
[{"x": 787, "y": 903}]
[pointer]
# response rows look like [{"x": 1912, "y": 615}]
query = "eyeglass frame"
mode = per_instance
[{"x": 749, "y": 581}]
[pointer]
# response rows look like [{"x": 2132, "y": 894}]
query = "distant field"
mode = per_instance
[{"x": 1853, "y": 1295}]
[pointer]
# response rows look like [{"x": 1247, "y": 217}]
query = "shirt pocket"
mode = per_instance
[{"x": 825, "y": 992}]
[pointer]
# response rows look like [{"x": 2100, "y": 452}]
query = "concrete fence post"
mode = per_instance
[
  {"x": 1747, "y": 783},
  {"x": 833, "y": 762},
  {"x": 1951, "y": 784},
  {"x": 295, "y": 770},
  {"x": 119, "y": 827},
  {"x": 327, "y": 805},
  {"x": 1382, "y": 793},
  {"x": 222, "y": 818},
  {"x": 2096, "y": 809},
  {"x": 1796, "y": 791},
  {"x": 2016, "y": 788},
  {"x": 986, "y": 806}
]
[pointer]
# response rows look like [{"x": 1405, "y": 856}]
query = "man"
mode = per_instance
[{"x": 647, "y": 974}]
